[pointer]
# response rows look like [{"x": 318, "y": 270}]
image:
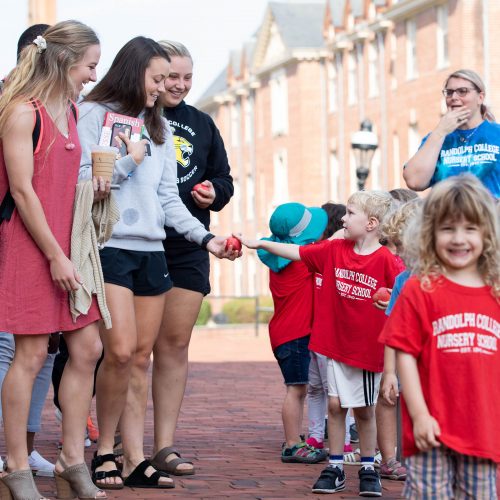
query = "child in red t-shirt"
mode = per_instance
[
  {"x": 291, "y": 285},
  {"x": 445, "y": 327},
  {"x": 353, "y": 269}
]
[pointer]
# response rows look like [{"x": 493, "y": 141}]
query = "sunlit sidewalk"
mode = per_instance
[{"x": 230, "y": 426}]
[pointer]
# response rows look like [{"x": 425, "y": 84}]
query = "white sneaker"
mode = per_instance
[{"x": 40, "y": 466}]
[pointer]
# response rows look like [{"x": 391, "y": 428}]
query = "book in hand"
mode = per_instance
[{"x": 115, "y": 124}]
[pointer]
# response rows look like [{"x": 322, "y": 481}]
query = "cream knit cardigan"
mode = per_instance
[{"x": 92, "y": 227}]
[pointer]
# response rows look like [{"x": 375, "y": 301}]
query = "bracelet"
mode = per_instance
[{"x": 206, "y": 239}]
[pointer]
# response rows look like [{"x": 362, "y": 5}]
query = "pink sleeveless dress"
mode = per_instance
[{"x": 30, "y": 302}]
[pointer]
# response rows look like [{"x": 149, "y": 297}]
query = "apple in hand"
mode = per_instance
[
  {"x": 233, "y": 242},
  {"x": 382, "y": 294},
  {"x": 198, "y": 187}
]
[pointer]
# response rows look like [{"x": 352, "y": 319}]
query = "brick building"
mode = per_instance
[{"x": 289, "y": 101}]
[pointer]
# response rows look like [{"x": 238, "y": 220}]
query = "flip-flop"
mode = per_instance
[
  {"x": 139, "y": 479},
  {"x": 159, "y": 461}
]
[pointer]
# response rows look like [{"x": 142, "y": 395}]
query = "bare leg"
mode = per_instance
[
  {"x": 29, "y": 357},
  {"x": 386, "y": 429},
  {"x": 367, "y": 429},
  {"x": 336, "y": 426},
  {"x": 170, "y": 364},
  {"x": 148, "y": 314},
  {"x": 75, "y": 391},
  {"x": 292, "y": 412},
  {"x": 114, "y": 372}
]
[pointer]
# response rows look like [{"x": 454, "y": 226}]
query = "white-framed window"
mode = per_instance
[
  {"x": 236, "y": 201},
  {"x": 280, "y": 181},
  {"x": 279, "y": 102},
  {"x": 235, "y": 125},
  {"x": 250, "y": 197},
  {"x": 251, "y": 273},
  {"x": 442, "y": 36},
  {"x": 334, "y": 177},
  {"x": 411, "y": 49},
  {"x": 414, "y": 139},
  {"x": 237, "y": 276},
  {"x": 374, "y": 174},
  {"x": 393, "y": 48},
  {"x": 396, "y": 158},
  {"x": 352, "y": 78},
  {"x": 248, "y": 121},
  {"x": 373, "y": 70},
  {"x": 332, "y": 87},
  {"x": 352, "y": 170}
]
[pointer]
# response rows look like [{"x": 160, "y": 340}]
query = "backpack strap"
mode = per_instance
[
  {"x": 8, "y": 204},
  {"x": 38, "y": 127},
  {"x": 74, "y": 110}
]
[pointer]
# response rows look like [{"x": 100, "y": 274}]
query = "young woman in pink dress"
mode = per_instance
[{"x": 36, "y": 274}]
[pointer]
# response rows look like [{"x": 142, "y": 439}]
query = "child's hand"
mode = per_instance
[
  {"x": 426, "y": 431},
  {"x": 253, "y": 244},
  {"x": 382, "y": 304},
  {"x": 389, "y": 388}
]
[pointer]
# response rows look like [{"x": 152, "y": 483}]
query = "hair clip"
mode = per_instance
[{"x": 41, "y": 43}]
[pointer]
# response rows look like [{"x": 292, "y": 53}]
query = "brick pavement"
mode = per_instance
[{"x": 230, "y": 426}]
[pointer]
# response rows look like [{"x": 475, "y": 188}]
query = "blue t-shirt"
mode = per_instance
[
  {"x": 476, "y": 151},
  {"x": 399, "y": 282}
]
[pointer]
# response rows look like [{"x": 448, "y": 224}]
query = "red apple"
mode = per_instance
[
  {"x": 199, "y": 186},
  {"x": 382, "y": 294},
  {"x": 233, "y": 242}
]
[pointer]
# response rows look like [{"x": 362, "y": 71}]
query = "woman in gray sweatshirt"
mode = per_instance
[{"x": 133, "y": 261}]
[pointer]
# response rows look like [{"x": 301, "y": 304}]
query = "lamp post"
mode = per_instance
[{"x": 364, "y": 143}]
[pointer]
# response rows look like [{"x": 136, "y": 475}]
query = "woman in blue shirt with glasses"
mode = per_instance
[{"x": 466, "y": 139}]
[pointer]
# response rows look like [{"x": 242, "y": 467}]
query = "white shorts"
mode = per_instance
[{"x": 354, "y": 387}]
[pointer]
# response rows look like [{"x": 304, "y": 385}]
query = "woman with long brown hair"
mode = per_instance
[{"x": 134, "y": 267}]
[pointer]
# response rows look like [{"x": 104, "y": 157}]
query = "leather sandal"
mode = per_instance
[
  {"x": 139, "y": 479},
  {"x": 19, "y": 485},
  {"x": 74, "y": 481},
  {"x": 159, "y": 461},
  {"x": 99, "y": 477}
]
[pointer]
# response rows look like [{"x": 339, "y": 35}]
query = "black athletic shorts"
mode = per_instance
[
  {"x": 189, "y": 265},
  {"x": 145, "y": 273}
]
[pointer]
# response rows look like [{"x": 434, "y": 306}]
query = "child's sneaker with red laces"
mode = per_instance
[
  {"x": 315, "y": 443},
  {"x": 302, "y": 453},
  {"x": 393, "y": 469}
]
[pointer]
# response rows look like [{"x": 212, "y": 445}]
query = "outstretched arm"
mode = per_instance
[
  {"x": 425, "y": 427},
  {"x": 285, "y": 250}
]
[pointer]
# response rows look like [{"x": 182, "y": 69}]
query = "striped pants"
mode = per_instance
[{"x": 443, "y": 474}]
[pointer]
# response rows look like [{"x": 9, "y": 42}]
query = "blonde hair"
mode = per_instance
[
  {"x": 397, "y": 220},
  {"x": 454, "y": 198},
  {"x": 373, "y": 203},
  {"x": 175, "y": 49},
  {"x": 476, "y": 80},
  {"x": 43, "y": 74}
]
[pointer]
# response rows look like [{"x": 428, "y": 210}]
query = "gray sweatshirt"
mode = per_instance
[{"x": 148, "y": 198}]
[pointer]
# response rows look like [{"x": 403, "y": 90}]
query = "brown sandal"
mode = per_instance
[
  {"x": 75, "y": 482},
  {"x": 170, "y": 467},
  {"x": 19, "y": 485}
]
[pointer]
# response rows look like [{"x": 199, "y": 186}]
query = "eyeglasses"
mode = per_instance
[{"x": 461, "y": 91}]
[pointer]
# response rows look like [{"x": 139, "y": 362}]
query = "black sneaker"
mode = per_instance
[
  {"x": 331, "y": 480},
  {"x": 369, "y": 483}
]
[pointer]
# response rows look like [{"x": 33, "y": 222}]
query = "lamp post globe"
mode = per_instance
[{"x": 364, "y": 142}]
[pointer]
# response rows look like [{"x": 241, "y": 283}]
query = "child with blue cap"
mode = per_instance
[{"x": 291, "y": 285}]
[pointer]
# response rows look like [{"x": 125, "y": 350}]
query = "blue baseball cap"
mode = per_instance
[{"x": 293, "y": 223}]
